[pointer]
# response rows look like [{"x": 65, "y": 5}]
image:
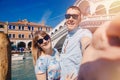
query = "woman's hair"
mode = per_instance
[{"x": 36, "y": 50}]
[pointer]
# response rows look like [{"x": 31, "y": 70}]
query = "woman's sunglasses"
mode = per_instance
[
  {"x": 40, "y": 41},
  {"x": 74, "y": 16}
]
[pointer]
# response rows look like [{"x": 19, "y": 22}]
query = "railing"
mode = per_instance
[
  {"x": 97, "y": 20},
  {"x": 97, "y": 17},
  {"x": 58, "y": 33}
]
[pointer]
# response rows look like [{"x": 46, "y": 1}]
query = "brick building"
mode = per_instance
[{"x": 20, "y": 32}]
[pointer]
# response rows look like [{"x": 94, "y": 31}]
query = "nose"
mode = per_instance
[{"x": 44, "y": 41}]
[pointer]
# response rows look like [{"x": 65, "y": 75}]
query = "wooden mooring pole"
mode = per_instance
[{"x": 5, "y": 57}]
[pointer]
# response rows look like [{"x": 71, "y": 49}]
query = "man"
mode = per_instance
[
  {"x": 75, "y": 43},
  {"x": 103, "y": 62}
]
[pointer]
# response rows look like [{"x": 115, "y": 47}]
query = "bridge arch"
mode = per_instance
[
  {"x": 59, "y": 43},
  {"x": 85, "y": 8},
  {"x": 57, "y": 37},
  {"x": 114, "y": 7},
  {"x": 21, "y": 45},
  {"x": 100, "y": 10},
  {"x": 29, "y": 44}
]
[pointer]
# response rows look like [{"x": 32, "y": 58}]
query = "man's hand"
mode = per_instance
[{"x": 101, "y": 60}]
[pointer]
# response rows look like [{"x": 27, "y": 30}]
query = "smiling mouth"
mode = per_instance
[
  {"x": 69, "y": 23},
  {"x": 46, "y": 43}
]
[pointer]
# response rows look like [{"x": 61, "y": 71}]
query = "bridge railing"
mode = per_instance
[
  {"x": 58, "y": 33},
  {"x": 97, "y": 17},
  {"x": 93, "y": 22}
]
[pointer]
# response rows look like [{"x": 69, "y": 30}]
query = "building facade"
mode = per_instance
[
  {"x": 96, "y": 12},
  {"x": 21, "y": 32}
]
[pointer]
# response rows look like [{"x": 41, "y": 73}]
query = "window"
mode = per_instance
[
  {"x": 9, "y": 35},
  {"x": 22, "y": 27},
  {"x": 29, "y": 28},
  {"x": 22, "y": 35},
  {"x": 52, "y": 33},
  {"x": 19, "y": 36},
  {"x": 30, "y": 36},
  {"x": 60, "y": 27},
  {"x": 13, "y": 35},
  {"x": 40, "y": 28},
  {"x": 32, "y": 28},
  {"x": 55, "y": 30},
  {"x": 19, "y": 27},
  {"x": 13, "y": 27},
  {"x": 1, "y": 26},
  {"x": 9, "y": 27}
]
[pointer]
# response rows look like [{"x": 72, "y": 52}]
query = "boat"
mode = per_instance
[
  {"x": 21, "y": 56},
  {"x": 17, "y": 57}
]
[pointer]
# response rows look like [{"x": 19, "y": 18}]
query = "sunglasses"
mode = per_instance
[
  {"x": 40, "y": 41},
  {"x": 74, "y": 16}
]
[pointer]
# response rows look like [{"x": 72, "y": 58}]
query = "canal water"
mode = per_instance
[{"x": 23, "y": 70}]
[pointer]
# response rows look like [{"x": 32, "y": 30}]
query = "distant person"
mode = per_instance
[
  {"x": 75, "y": 43},
  {"x": 45, "y": 58},
  {"x": 101, "y": 60},
  {"x": 22, "y": 49}
]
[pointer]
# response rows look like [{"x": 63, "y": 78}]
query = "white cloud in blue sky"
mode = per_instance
[{"x": 51, "y": 11}]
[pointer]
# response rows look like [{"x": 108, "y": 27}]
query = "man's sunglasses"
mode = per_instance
[
  {"x": 40, "y": 41},
  {"x": 74, "y": 16}
]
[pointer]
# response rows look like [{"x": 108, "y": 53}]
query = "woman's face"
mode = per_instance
[{"x": 44, "y": 42}]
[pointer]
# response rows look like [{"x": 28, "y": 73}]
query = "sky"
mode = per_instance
[{"x": 50, "y": 11}]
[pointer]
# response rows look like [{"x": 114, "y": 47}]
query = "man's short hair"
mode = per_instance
[{"x": 75, "y": 7}]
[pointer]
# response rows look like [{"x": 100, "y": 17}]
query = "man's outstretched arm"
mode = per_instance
[{"x": 101, "y": 60}]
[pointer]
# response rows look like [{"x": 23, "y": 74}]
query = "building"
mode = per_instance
[
  {"x": 96, "y": 12},
  {"x": 20, "y": 33}
]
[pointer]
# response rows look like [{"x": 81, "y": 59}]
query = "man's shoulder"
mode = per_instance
[{"x": 83, "y": 30}]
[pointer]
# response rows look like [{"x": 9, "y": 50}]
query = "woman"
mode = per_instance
[{"x": 45, "y": 59}]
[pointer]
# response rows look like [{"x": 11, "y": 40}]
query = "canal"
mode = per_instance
[{"x": 23, "y": 70}]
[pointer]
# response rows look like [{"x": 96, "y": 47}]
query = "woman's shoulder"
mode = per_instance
[{"x": 42, "y": 59}]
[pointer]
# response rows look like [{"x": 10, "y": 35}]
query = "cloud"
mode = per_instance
[
  {"x": 56, "y": 17},
  {"x": 45, "y": 16}
]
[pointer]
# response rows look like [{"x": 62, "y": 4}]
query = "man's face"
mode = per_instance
[{"x": 73, "y": 19}]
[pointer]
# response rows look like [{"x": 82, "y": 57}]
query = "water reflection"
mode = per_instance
[{"x": 23, "y": 70}]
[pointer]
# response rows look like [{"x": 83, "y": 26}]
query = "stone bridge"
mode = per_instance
[{"x": 94, "y": 13}]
